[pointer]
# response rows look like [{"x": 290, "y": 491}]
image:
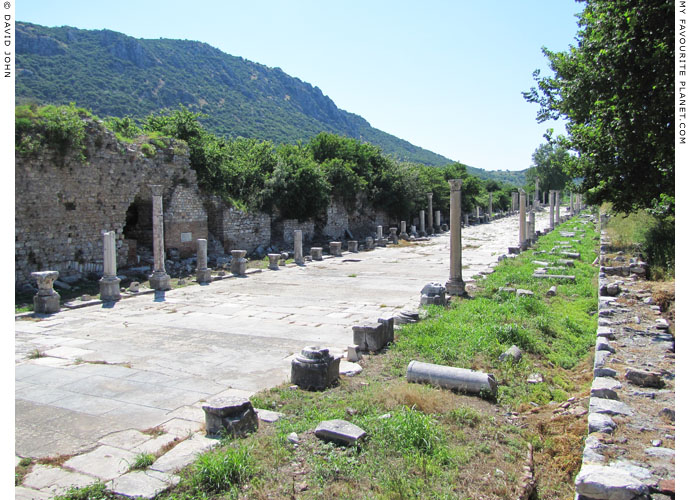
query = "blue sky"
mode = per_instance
[{"x": 444, "y": 75}]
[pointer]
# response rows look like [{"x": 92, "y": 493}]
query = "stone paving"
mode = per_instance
[{"x": 109, "y": 373}]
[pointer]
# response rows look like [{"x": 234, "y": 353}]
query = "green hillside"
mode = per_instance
[{"x": 116, "y": 75}]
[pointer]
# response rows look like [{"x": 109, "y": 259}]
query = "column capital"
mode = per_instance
[
  {"x": 156, "y": 189},
  {"x": 430, "y": 195},
  {"x": 455, "y": 184}
]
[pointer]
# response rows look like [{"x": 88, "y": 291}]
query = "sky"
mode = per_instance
[{"x": 443, "y": 75}]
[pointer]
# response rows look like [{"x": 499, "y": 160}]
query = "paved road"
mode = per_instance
[{"x": 146, "y": 362}]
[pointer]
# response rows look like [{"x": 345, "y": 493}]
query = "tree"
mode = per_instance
[
  {"x": 615, "y": 89},
  {"x": 551, "y": 163}
]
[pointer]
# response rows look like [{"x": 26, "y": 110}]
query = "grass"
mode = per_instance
[{"x": 96, "y": 491}]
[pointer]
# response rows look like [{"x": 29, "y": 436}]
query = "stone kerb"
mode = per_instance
[{"x": 47, "y": 300}]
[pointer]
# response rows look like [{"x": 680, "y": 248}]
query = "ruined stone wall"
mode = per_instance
[
  {"x": 238, "y": 230},
  {"x": 63, "y": 204},
  {"x": 185, "y": 220}
]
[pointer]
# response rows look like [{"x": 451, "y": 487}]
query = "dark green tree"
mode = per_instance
[
  {"x": 551, "y": 164},
  {"x": 615, "y": 89}
]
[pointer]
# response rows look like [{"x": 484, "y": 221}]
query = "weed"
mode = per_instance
[
  {"x": 96, "y": 491},
  {"x": 465, "y": 416},
  {"x": 35, "y": 354},
  {"x": 352, "y": 275},
  {"x": 143, "y": 461}
]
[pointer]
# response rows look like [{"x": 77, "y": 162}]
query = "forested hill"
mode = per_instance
[{"x": 116, "y": 75}]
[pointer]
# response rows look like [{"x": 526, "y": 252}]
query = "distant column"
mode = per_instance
[
  {"x": 403, "y": 230},
  {"x": 299, "y": 256},
  {"x": 572, "y": 205},
  {"x": 522, "y": 228},
  {"x": 431, "y": 213},
  {"x": 551, "y": 200},
  {"x": 491, "y": 205},
  {"x": 203, "y": 273},
  {"x": 455, "y": 285},
  {"x": 558, "y": 207},
  {"x": 159, "y": 280},
  {"x": 379, "y": 232},
  {"x": 514, "y": 201},
  {"x": 536, "y": 192},
  {"x": 109, "y": 284},
  {"x": 532, "y": 230},
  {"x": 422, "y": 223},
  {"x": 437, "y": 221}
]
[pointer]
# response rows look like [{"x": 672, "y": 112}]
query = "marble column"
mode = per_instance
[
  {"x": 532, "y": 229},
  {"x": 431, "y": 213},
  {"x": 572, "y": 205},
  {"x": 551, "y": 200},
  {"x": 159, "y": 280},
  {"x": 403, "y": 230},
  {"x": 536, "y": 192},
  {"x": 422, "y": 223},
  {"x": 491, "y": 205},
  {"x": 437, "y": 220},
  {"x": 455, "y": 285},
  {"x": 379, "y": 232},
  {"x": 558, "y": 207},
  {"x": 203, "y": 273},
  {"x": 109, "y": 284},
  {"x": 522, "y": 220},
  {"x": 299, "y": 256}
]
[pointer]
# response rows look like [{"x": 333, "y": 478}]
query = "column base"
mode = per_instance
[
  {"x": 455, "y": 287},
  {"x": 203, "y": 275},
  {"x": 110, "y": 288},
  {"x": 160, "y": 280},
  {"x": 47, "y": 304}
]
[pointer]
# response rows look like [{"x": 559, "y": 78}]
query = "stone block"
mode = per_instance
[
  {"x": 389, "y": 328},
  {"x": 369, "y": 243},
  {"x": 598, "y": 422},
  {"x": 315, "y": 369},
  {"x": 605, "y": 387},
  {"x": 352, "y": 246},
  {"x": 609, "y": 406},
  {"x": 371, "y": 337},
  {"x": 232, "y": 415},
  {"x": 604, "y": 482},
  {"x": 433, "y": 293},
  {"x": 238, "y": 265},
  {"x": 204, "y": 276},
  {"x": 644, "y": 378},
  {"x": 602, "y": 344},
  {"x": 340, "y": 431},
  {"x": 143, "y": 484},
  {"x": 316, "y": 253},
  {"x": 513, "y": 354}
]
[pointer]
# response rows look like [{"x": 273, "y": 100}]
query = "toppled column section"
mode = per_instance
[
  {"x": 47, "y": 300},
  {"x": 315, "y": 369},
  {"x": 238, "y": 265},
  {"x": 203, "y": 273},
  {"x": 233, "y": 415},
  {"x": 109, "y": 284},
  {"x": 449, "y": 377},
  {"x": 159, "y": 280}
]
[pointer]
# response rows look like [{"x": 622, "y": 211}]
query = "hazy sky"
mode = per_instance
[{"x": 444, "y": 75}]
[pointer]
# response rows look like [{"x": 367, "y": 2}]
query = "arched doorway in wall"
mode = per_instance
[{"x": 138, "y": 230}]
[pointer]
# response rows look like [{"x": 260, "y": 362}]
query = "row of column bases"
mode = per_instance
[{"x": 47, "y": 300}]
